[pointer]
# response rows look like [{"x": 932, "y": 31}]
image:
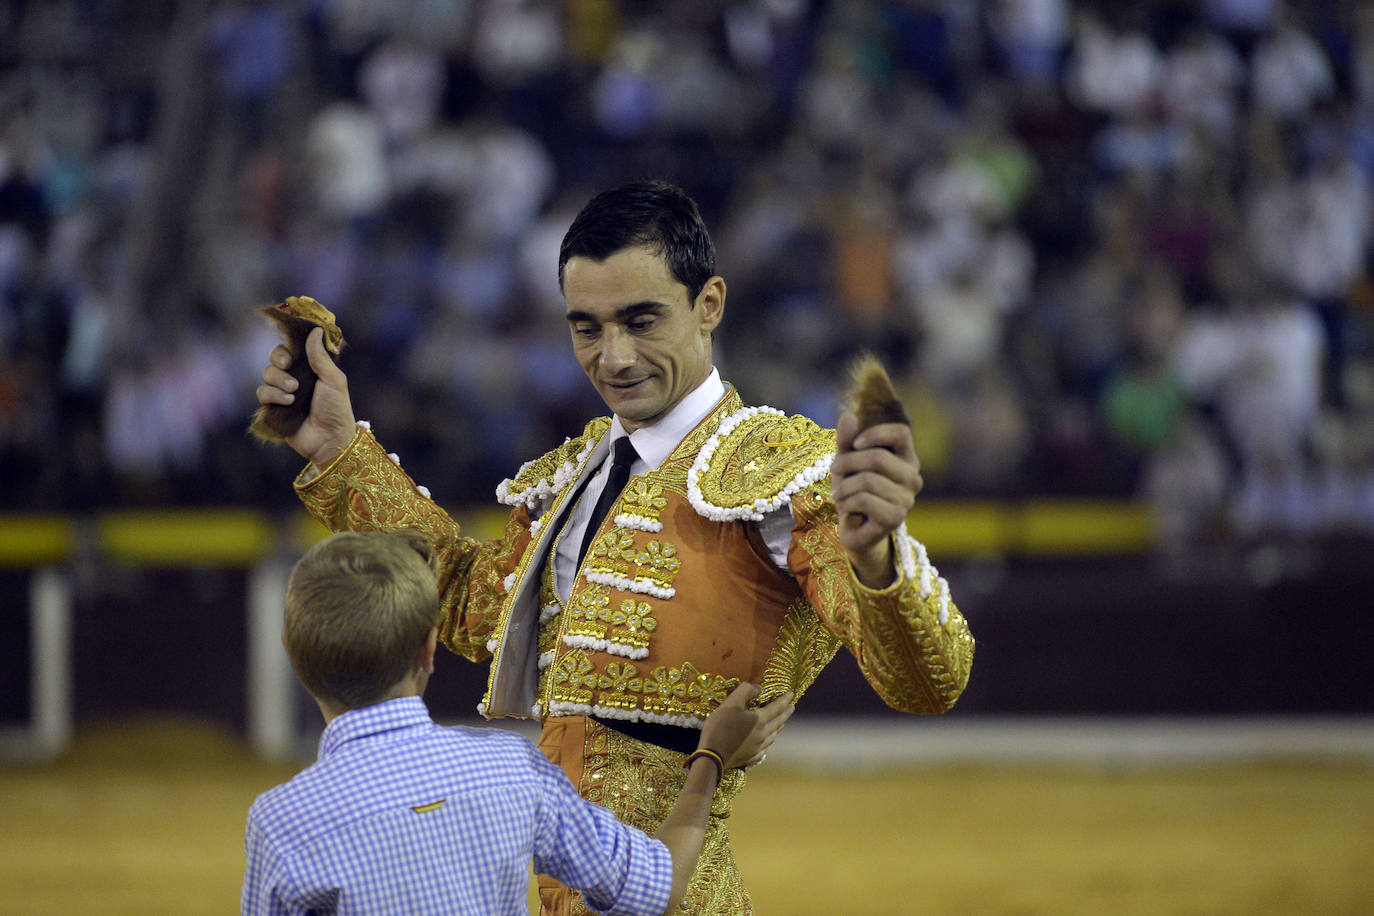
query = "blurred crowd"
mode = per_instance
[{"x": 1105, "y": 249}]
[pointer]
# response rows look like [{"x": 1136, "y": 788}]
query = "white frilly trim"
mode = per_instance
[
  {"x": 537, "y": 710},
  {"x": 535, "y": 526},
  {"x": 906, "y": 553},
  {"x": 363, "y": 424},
  {"x": 395, "y": 458},
  {"x": 545, "y": 659},
  {"x": 549, "y": 612},
  {"x": 491, "y": 646},
  {"x": 482, "y": 710},
  {"x": 917, "y": 567},
  {"x": 638, "y": 586},
  {"x": 638, "y": 523},
  {"x": 754, "y": 512},
  {"x": 562, "y": 708},
  {"x": 544, "y": 488},
  {"x": 424, "y": 491},
  {"x": 605, "y": 645}
]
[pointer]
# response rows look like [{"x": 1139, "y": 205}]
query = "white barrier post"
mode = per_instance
[
  {"x": 50, "y": 613},
  {"x": 271, "y": 683}
]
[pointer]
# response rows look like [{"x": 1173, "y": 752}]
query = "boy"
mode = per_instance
[{"x": 399, "y": 815}]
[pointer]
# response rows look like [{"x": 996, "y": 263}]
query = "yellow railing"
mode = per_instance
[{"x": 238, "y": 537}]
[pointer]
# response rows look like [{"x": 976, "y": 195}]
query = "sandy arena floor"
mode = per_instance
[{"x": 147, "y": 818}]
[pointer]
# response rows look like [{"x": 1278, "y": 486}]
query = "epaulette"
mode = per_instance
[
  {"x": 546, "y": 476},
  {"x": 755, "y": 462}
]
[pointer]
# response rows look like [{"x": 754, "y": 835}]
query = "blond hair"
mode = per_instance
[{"x": 358, "y": 609}]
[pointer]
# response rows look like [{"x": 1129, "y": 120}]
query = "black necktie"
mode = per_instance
[{"x": 622, "y": 456}]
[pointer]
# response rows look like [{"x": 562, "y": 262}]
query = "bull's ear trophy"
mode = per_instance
[
  {"x": 295, "y": 319},
  {"x": 871, "y": 396}
]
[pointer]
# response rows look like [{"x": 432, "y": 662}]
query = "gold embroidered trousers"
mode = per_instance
[{"x": 640, "y": 782}]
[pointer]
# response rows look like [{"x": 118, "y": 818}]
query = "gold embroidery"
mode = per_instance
[
  {"x": 685, "y": 690},
  {"x": 657, "y": 564},
  {"x": 615, "y": 554},
  {"x": 620, "y": 686},
  {"x": 643, "y": 499},
  {"x": 529, "y": 561},
  {"x": 912, "y": 661},
  {"x": 639, "y": 782},
  {"x": 548, "y": 595},
  {"x": 548, "y": 637},
  {"x": 546, "y": 466},
  {"x": 612, "y": 553},
  {"x": 574, "y": 678},
  {"x": 802, "y": 649},
  {"x": 792, "y": 432},
  {"x": 587, "y": 611},
  {"x": 632, "y": 623},
  {"x": 667, "y": 691},
  {"x": 549, "y": 629},
  {"x": 672, "y": 473},
  {"x": 760, "y": 457},
  {"x": 629, "y": 624}
]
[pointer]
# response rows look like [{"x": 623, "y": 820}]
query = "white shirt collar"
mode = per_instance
[{"x": 656, "y": 441}]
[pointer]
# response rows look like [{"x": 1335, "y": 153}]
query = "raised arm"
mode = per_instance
[
  {"x": 870, "y": 583},
  {"x": 365, "y": 489},
  {"x": 735, "y": 736}
]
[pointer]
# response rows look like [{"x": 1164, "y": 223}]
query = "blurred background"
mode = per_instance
[{"x": 1116, "y": 256}]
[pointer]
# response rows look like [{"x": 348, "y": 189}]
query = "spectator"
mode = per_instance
[{"x": 983, "y": 191}]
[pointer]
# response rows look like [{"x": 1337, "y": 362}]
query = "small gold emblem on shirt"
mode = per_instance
[{"x": 432, "y": 806}]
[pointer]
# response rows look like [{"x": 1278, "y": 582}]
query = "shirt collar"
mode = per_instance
[
  {"x": 656, "y": 441},
  {"x": 387, "y": 716}
]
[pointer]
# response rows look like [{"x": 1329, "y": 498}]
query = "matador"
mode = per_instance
[{"x": 746, "y": 544}]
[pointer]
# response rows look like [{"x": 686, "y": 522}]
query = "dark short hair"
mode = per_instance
[
  {"x": 652, "y": 213},
  {"x": 358, "y": 608}
]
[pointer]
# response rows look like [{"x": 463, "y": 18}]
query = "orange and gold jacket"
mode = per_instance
[{"x": 678, "y": 600}]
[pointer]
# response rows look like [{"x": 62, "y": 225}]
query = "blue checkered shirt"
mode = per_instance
[{"x": 400, "y": 815}]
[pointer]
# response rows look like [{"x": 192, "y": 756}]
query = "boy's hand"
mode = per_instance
[{"x": 742, "y": 735}]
